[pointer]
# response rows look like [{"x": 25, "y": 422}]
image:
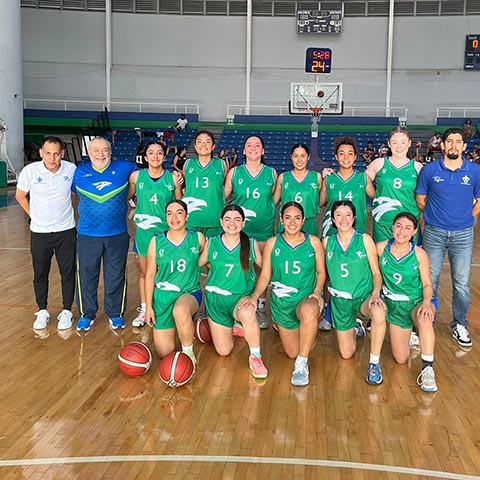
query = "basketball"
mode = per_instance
[
  {"x": 135, "y": 359},
  {"x": 202, "y": 330},
  {"x": 176, "y": 369}
]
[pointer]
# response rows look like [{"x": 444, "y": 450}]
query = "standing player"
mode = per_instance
[
  {"x": 154, "y": 187},
  {"x": 252, "y": 186},
  {"x": 204, "y": 177},
  {"x": 354, "y": 286},
  {"x": 52, "y": 226},
  {"x": 294, "y": 262},
  {"x": 408, "y": 295},
  {"x": 396, "y": 180},
  {"x": 172, "y": 282},
  {"x": 302, "y": 186},
  {"x": 231, "y": 257},
  {"x": 346, "y": 184}
]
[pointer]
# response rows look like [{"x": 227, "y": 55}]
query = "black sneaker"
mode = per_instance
[{"x": 461, "y": 335}]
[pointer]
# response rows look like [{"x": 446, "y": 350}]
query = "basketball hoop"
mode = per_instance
[{"x": 316, "y": 111}]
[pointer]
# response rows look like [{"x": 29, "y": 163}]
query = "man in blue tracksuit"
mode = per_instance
[{"x": 102, "y": 189}]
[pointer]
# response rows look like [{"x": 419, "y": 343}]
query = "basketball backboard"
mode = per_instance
[{"x": 307, "y": 97}]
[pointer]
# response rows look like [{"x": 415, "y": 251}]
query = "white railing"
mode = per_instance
[
  {"x": 458, "y": 112},
  {"x": 354, "y": 111},
  {"x": 96, "y": 105}
]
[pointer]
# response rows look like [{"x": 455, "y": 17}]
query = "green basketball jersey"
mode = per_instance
[
  {"x": 254, "y": 195},
  {"x": 352, "y": 189},
  {"x": 395, "y": 192},
  {"x": 177, "y": 265},
  {"x": 349, "y": 270},
  {"x": 401, "y": 278},
  {"x": 304, "y": 192},
  {"x": 226, "y": 276},
  {"x": 294, "y": 272},
  {"x": 152, "y": 197},
  {"x": 204, "y": 194}
]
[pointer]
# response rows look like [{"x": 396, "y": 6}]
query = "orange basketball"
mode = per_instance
[
  {"x": 202, "y": 330},
  {"x": 135, "y": 359},
  {"x": 176, "y": 369}
]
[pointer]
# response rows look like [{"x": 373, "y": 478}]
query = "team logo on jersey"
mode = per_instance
[
  {"x": 282, "y": 291},
  {"x": 190, "y": 170},
  {"x": 161, "y": 252},
  {"x": 277, "y": 252},
  {"x": 331, "y": 186},
  {"x": 437, "y": 179},
  {"x": 249, "y": 214},
  {"x": 310, "y": 254},
  {"x": 465, "y": 180},
  {"x": 384, "y": 261},
  {"x": 285, "y": 185},
  {"x": 101, "y": 185},
  {"x": 113, "y": 172},
  {"x": 314, "y": 185},
  {"x": 240, "y": 181},
  {"x": 218, "y": 172},
  {"x": 384, "y": 170},
  {"x": 66, "y": 178},
  {"x": 145, "y": 221},
  {"x": 194, "y": 250},
  {"x": 194, "y": 204},
  {"x": 39, "y": 180},
  {"x": 214, "y": 255},
  {"x": 329, "y": 255},
  {"x": 396, "y": 297},
  {"x": 140, "y": 185},
  {"x": 170, "y": 188},
  {"x": 167, "y": 286},
  {"x": 360, "y": 254},
  {"x": 384, "y": 205},
  {"x": 339, "y": 293}
]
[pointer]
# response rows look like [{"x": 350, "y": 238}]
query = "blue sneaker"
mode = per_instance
[
  {"x": 117, "y": 322},
  {"x": 85, "y": 323},
  {"x": 359, "y": 329},
  {"x": 374, "y": 374},
  {"x": 300, "y": 375}
]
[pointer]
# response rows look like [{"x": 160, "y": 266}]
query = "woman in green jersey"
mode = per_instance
[
  {"x": 172, "y": 282},
  {"x": 294, "y": 263},
  {"x": 302, "y": 186},
  {"x": 396, "y": 180},
  {"x": 408, "y": 292},
  {"x": 252, "y": 186},
  {"x": 154, "y": 188},
  {"x": 354, "y": 285},
  {"x": 204, "y": 177},
  {"x": 345, "y": 184},
  {"x": 231, "y": 257}
]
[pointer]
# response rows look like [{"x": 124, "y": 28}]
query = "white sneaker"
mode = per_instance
[
  {"x": 414, "y": 341},
  {"x": 140, "y": 320},
  {"x": 461, "y": 335},
  {"x": 42, "y": 319},
  {"x": 426, "y": 380},
  {"x": 65, "y": 319},
  {"x": 324, "y": 325}
]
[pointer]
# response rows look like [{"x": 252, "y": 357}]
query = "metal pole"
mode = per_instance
[
  {"x": 108, "y": 51},
  {"x": 389, "y": 59},
  {"x": 248, "y": 63}
]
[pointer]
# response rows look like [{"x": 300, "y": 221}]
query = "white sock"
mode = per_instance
[
  {"x": 143, "y": 306},
  {"x": 374, "y": 359},
  {"x": 255, "y": 351},
  {"x": 187, "y": 348},
  {"x": 261, "y": 303},
  {"x": 427, "y": 358},
  {"x": 299, "y": 361}
]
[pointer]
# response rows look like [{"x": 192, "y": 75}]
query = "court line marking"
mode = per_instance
[{"x": 235, "y": 459}]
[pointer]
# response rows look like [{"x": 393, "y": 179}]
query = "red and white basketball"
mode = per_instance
[
  {"x": 176, "y": 369},
  {"x": 135, "y": 359},
  {"x": 202, "y": 330}
]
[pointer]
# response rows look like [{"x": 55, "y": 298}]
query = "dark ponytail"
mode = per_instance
[{"x": 244, "y": 240}]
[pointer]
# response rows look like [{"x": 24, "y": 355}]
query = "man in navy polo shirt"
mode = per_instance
[
  {"x": 102, "y": 186},
  {"x": 448, "y": 192}
]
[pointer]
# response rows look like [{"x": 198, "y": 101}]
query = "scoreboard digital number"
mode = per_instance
[
  {"x": 318, "y": 60},
  {"x": 472, "y": 52}
]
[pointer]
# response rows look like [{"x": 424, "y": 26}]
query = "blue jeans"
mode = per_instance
[{"x": 459, "y": 245}]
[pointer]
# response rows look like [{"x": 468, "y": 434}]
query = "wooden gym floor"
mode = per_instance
[{"x": 67, "y": 412}]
